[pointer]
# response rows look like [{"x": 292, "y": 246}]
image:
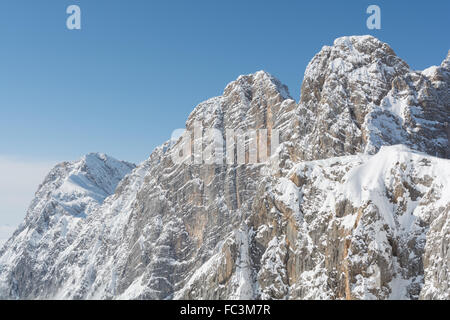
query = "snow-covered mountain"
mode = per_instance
[
  {"x": 354, "y": 204},
  {"x": 68, "y": 195}
]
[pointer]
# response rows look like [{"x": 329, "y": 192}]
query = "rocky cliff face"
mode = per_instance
[
  {"x": 353, "y": 204},
  {"x": 358, "y": 96}
]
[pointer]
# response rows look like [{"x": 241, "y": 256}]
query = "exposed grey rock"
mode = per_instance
[
  {"x": 340, "y": 212},
  {"x": 55, "y": 218}
]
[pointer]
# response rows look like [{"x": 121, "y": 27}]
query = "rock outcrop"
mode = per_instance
[{"x": 353, "y": 204}]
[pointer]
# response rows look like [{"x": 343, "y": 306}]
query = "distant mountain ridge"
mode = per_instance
[{"x": 354, "y": 205}]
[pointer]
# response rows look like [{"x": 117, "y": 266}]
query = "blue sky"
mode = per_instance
[{"x": 137, "y": 68}]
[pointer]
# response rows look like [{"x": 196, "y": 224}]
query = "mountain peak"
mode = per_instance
[
  {"x": 349, "y": 41},
  {"x": 354, "y": 52},
  {"x": 94, "y": 159},
  {"x": 80, "y": 185},
  {"x": 251, "y": 101},
  {"x": 356, "y": 89},
  {"x": 96, "y": 155},
  {"x": 353, "y": 63},
  {"x": 258, "y": 80}
]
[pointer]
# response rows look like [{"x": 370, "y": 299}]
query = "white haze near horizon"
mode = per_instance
[{"x": 19, "y": 180}]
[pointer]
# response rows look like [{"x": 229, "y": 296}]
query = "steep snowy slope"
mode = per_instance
[
  {"x": 353, "y": 205},
  {"x": 69, "y": 194}
]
